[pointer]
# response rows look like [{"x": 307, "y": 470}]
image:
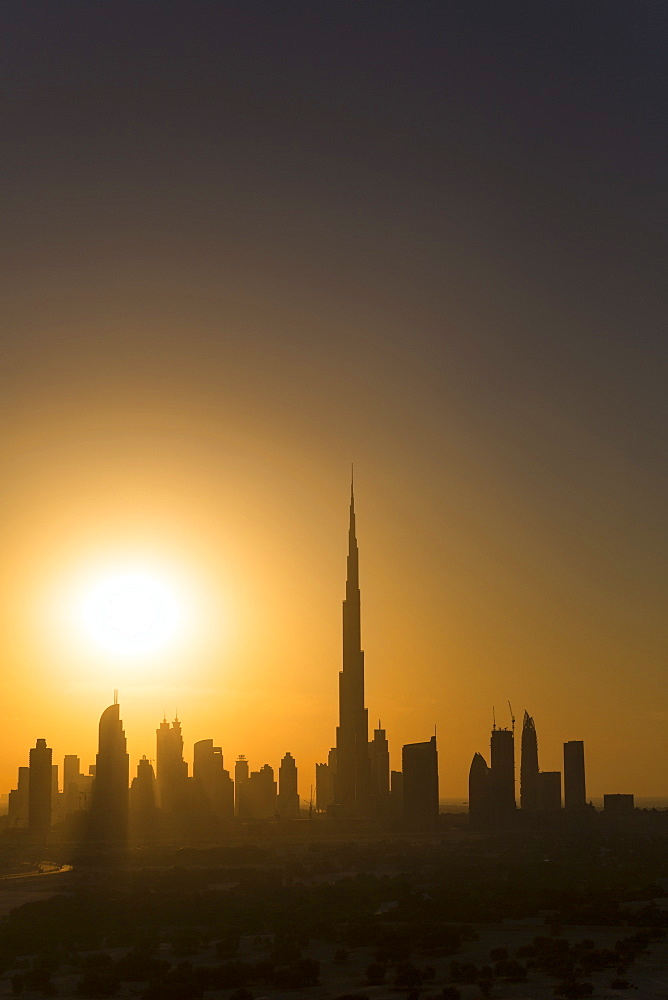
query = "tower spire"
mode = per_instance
[{"x": 352, "y": 778}]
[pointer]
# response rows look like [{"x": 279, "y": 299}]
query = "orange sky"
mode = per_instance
[{"x": 473, "y": 591}]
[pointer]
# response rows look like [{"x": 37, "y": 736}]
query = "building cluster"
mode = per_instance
[
  {"x": 356, "y": 783},
  {"x": 160, "y": 801},
  {"x": 492, "y": 800}
]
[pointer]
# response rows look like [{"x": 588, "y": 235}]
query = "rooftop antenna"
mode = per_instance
[
  {"x": 115, "y": 696},
  {"x": 493, "y": 718},
  {"x": 512, "y": 717}
]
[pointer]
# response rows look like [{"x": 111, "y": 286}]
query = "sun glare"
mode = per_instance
[{"x": 131, "y": 612}]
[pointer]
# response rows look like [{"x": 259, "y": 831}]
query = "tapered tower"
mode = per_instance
[
  {"x": 351, "y": 786},
  {"x": 529, "y": 794}
]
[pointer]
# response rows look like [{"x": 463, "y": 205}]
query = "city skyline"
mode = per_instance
[
  {"x": 355, "y": 780},
  {"x": 242, "y": 251}
]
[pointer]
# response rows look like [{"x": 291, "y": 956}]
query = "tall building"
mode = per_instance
[
  {"x": 324, "y": 792},
  {"x": 212, "y": 781},
  {"x": 172, "y": 770},
  {"x": 109, "y": 807},
  {"x": 240, "y": 777},
  {"x": 56, "y": 798},
  {"x": 379, "y": 765},
  {"x": 325, "y": 775},
  {"x": 479, "y": 792},
  {"x": 258, "y": 795},
  {"x": 549, "y": 791},
  {"x": 529, "y": 766},
  {"x": 419, "y": 764},
  {"x": 17, "y": 815},
  {"x": 74, "y": 785},
  {"x": 288, "y": 799},
  {"x": 40, "y": 791},
  {"x": 396, "y": 794},
  {"x": 575, "y": 794},
  {"x": 502, "y": 773},
  {"x": 351, "y": 782},
  {"x": 143, "y": 808}
]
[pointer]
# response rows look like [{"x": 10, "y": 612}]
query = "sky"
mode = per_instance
[{"x": 246, "y": 245}]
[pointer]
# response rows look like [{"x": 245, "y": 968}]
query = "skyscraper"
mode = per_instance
[
  {"x": 288, "y": 799},
  {"x": 419, "y": 764},
  {"x": 109, "y": 808},
  {"x": 240, "y": 777},
  {"x": 549, "y": 791},
  {"x": 40, "y": 791},
  {"x": 212, "y": 782},
  {"x": 71, "y": 777},
  {"x": 172, "y": 770},
  {"x": 502, "y": 773},
  {"x": 351, "y": 782},
  {"x": 17, "y": 817},
  {"x": 529, "y": 766},
  {"x": 379, "y": 763},
  {"x": 258, "y": 795},
  {"x": 143, "y": 809},
  {"x": 574, "y": 775},
  {"x": 479, "y": 792}
]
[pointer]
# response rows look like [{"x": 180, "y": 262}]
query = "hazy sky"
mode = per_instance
[{"x": 245, "y": 244}]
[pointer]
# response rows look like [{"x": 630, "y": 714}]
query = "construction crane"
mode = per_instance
[{"x": 512, "y": 717}]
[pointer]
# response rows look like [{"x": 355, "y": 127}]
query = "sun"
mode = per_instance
[{"x": 131, "y": 611}]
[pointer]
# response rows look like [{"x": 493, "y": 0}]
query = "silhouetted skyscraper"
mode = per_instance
[
  {"x": 143, "y": 806},
  {"x": 109, "y": 808},
  {"x": 396, "y": 794},
  {"x": 351, "y": 782},
  {"x": 240, "y": 776},
  {"x": 324, "y": 793},
  {"x": 172, "y": 770},
  {"x": 288, "y": 799},
  {"x": 258, "y": 795},
  {"x": 40, "y": 791},
  {"x": 549, "y": 791},
  {"x": 479, "y": 792},
  {"x": 56, "y": 798},
  {"x": 574, "y": 774},
  {"x": 17, "y": 816},
  {"x": 419, "y": 764},
  {"x": 76, "y": 786},
  {"x": 379, "y": 762},
  {"x": 529, "y": 766},
  {"x": 502, "y": 773},
  {"x": 212, "y": 780}
]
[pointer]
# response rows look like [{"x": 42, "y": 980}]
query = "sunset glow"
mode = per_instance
[
  {"x": 132, "y": 612},
  {"x": 406, "y": 236}
]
